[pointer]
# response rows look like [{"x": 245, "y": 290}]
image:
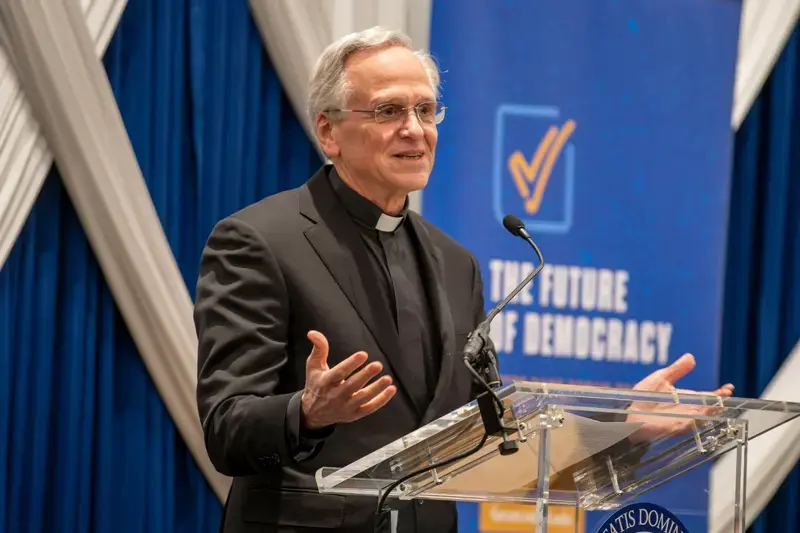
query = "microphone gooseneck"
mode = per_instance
[
  {"x": 480, "y": 357},
  {"x": 478, "y": 338}
]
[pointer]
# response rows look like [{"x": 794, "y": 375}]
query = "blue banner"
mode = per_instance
[{"x": 605, "y": 126}]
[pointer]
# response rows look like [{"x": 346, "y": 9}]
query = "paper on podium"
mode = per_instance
[{"x": 578, "y": 439}]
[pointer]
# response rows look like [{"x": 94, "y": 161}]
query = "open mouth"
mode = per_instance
[{"x": 409, "y": 156}]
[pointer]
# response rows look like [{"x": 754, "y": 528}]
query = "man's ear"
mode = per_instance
[{"x": 324, "y": 128}]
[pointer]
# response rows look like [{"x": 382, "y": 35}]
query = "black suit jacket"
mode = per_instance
[{"x": 269, "y": 274}]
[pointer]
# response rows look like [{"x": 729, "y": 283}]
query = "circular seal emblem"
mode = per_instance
[{"x": 642, "y": 518}]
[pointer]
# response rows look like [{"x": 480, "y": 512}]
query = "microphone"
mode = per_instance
[{"x": 517, "y": 228}]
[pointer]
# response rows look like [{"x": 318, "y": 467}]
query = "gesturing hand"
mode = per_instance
[
  {"x": 663, "y": 380},
  {"x": 331, "y": 397}
]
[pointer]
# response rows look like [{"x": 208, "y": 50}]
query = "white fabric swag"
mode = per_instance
[{"x": 25, "y": 158}]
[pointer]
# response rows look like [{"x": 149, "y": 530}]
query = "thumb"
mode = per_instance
[
  {"x": 318, "y": 359},
  {"x": 679, "y": 368}
]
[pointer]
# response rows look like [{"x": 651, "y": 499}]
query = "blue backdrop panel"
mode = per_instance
[{"x": 605, "y": 126}]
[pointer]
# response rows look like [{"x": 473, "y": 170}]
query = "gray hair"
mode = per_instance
[{"x": 329, "y": 88}]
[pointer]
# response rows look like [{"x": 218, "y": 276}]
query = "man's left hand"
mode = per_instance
[{"x": 663, "y": 380}]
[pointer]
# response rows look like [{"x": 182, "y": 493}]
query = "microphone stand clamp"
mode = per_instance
[{"x": 479, "y": 354}]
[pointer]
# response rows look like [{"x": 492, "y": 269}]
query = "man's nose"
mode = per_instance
[{"x": 412, "y": 125}]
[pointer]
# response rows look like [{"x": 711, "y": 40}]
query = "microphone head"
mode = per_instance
[{"x": 514, "y": 225}]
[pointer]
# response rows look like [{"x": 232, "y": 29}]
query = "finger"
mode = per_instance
[
  {"x": 318, "y": 359},
  {"x": 377, "y": 402},
  {"x": 682, "y": 366},
  {"x": 369, "y": 392},
  {"x": 725, "y": 390},
  {"x": 340, "y": 372},
  {"x": 360, "y": 378}
]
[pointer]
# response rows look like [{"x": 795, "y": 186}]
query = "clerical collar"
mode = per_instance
[{"x": 362, "y": 210}]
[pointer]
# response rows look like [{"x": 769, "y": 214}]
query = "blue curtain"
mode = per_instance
[
  {"x": 761, "y": 321},
  {"x": 86, "y": 443}
]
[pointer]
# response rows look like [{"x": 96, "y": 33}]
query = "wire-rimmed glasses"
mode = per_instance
[{"x": 427, "y": 112}]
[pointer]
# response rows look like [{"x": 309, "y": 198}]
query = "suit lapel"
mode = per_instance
[
  {"x": 433, "y": 272},
  {"x": 337, "y": 241}
]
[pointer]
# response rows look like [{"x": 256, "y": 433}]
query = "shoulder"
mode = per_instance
[
  {"x": 270, "y": 218},
  {"x": 271, "y": 213},
  {"x": 284, "y": 215}
]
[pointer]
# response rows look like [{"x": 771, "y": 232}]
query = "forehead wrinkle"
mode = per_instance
[
  {"x": 372, "y": 75},
  {"x": 393, "y": 96}
]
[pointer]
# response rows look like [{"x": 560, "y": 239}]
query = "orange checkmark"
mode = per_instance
[
  {"x": 524, "y": 173},
  {"x": 538, "y": 171},
  {"x": 535, "y": 201}
]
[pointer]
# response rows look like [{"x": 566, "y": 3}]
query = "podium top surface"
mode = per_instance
[{"x": 604, "y": 446}]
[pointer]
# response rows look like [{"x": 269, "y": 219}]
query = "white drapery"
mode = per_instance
[
  {"x": 770, "y": 457},
  {"x": 765, "y": 27},
  {"x": 70, "y": 97},
  {"x": 24, "y": 157}
]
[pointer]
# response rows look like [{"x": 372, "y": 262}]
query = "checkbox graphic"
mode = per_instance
[{"x": 534, "y": 167}]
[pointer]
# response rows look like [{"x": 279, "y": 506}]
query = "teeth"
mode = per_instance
[{"x": 415, "y": 156}]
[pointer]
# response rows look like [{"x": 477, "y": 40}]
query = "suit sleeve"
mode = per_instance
[{"x": 241, "y": 317}]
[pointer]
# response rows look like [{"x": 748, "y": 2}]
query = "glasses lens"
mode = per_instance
[
  {"x": 440, "y": 109},
  {"x": 427, "y": 112},
  {"x": 388, "y": 112}
]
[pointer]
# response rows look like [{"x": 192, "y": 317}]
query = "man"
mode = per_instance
[{"x": 330, "y": 317}]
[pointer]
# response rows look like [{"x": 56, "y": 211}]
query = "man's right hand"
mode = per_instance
[{"x": 331, "y": 397}]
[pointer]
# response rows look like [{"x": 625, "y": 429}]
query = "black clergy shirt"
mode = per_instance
[{"x": 394, "y": 259}]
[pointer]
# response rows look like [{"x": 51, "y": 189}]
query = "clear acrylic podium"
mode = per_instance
[{"x": 584, "y": 447}]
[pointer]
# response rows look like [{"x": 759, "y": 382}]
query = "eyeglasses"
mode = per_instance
[{"x": 427, "y": 112}]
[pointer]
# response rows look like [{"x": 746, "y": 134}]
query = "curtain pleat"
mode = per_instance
[{"x": 86, "y": 443}]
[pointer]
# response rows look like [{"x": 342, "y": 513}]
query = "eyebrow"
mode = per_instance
[{"x": 400, "y": 101}]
